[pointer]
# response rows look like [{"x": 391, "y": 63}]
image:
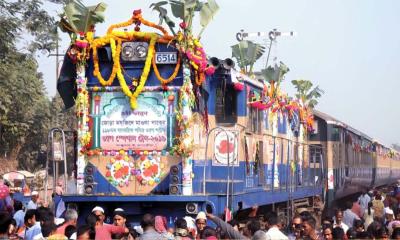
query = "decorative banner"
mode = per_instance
[
  {"x": 222, "y": 147},
  {"x": 122, "y": 169},
  {"x": 121, "y": 127}
]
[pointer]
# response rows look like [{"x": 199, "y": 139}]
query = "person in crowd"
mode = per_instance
[
  {"x": 71, "y": 218},
  {"x": 231, "y": 233},
  {"x": 348, "y": 215},
  {"x": 49, "y": 232},
  {"x": 5, "y": 221},
  {"x": 295, "y": 228},
  {"x": 32, "y": 224},
  {"x": 273, "y": 229},
  {"x": 358, "y": 225},
  {"x": 209, "y": 234},
  {"x": 191, "y": 226},
  {"x": 201, "y": 223},
  {"x": 251, "y": 228},
  {"x": 327, "y": 232},
  {"x": 181, "y": 230},
  {"x": 364, "y": 199},
  {"x": 12, "y": 230},
  {"x": 42, "y": 215},
  {"x": 374, "y": 228},
  {"x": 103, "y": 230},
  {"x": 378, "y": 206},
  {"x": 396, "y": 234},
  {"x": 338, "y": 233},
  {"x": 394, "y": 223},
  {"x": 161, "y": 227},
  {"x": 148, "y": 226},
  {"x": 70, "y": 232},
  {"x": 309, "y": 231},
  {"x": 389, "y": 215},
  {"x": 356, "y": 208},
  {"x": 33, "y": 203},
  {"x": 326, "y": 222},
  {"x": 120, "y": 220},
  {"x": 351, "y": 233},
  {"x": 338, "y": 222},
  {"x": 19, "y": 214},
  {"x": 85, "y": 232},
  {"x": 29, "y": 221},
  {"x": 368, "y": 215}
]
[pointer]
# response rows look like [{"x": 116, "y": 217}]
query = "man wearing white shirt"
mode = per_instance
[
  {"x": 273, "y": 231},
  {"x": 33, "y": 203},
  {"x": 349, "y": 216},
  {"x": 363, "y": 200},
  {"x": 338, "y": 221}
]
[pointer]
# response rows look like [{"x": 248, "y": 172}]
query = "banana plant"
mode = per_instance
[
  {"x": 80, "y": 18},
  {"x": 163, "y": 15},
  {"x": 185, "y": 10},
  {"x": 246, "y": 54},
  {"x": 274, "y": 75},
  {"x": 306, "y": 93}
]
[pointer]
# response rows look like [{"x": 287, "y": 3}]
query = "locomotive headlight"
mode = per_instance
[
  {"x": 127, "y": 52},
  {"x": 140, "y": 51},
  {"x": 134, "y": 51}
]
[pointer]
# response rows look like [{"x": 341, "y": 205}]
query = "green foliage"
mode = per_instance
[
  {"x": 82, "y": 18},
  {"x": 23, "y": 17},
  {"x": 25, "y": 115},
  {"x": 275, "y": 74},
  {"x": 305, "y": 92},
  {"x": 185, "y": 10},
  {"x": 246, "y": 54}
]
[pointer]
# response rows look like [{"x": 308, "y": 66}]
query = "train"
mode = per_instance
[
  {"x": 156, "y": 134},
  {"x": 354, "y": 161}
]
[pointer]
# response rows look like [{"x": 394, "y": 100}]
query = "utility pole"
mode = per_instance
[{"x": 272, "y": 35}]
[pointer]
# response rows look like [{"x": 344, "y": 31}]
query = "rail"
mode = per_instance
[{"x": 55, "y": 164}]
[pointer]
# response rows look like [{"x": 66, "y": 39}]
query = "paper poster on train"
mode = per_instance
[
  {"x": 117, "y": 126},
  {"x": 226, "y": 146}
]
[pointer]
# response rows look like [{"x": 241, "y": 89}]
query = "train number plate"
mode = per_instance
[{"x": 166, "y": 58}]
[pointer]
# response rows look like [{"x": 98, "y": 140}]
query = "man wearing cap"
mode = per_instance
[
  {"x": 201, "y": 224},
  {"x": 120, "y": 220},
  {"x": 103, "y": 230},
  {"x": 33, "y": 203}
]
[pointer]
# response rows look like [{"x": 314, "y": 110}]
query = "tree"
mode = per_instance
[
  {"x": 24, "y": 107},
  {"x": 305, "y": 92},
  {"x": 246, "y": 54}
]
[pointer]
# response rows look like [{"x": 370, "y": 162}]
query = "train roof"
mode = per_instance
[{"x": 331, "y": 120}]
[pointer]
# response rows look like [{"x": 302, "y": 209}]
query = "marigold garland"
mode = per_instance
[
  {"x": 146, "y": 69},
  {"x": 172, "y": 77},
  {"x": 115, "y": 52}
]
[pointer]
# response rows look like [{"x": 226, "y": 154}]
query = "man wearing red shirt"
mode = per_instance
[{"x": 103, "y": 230}]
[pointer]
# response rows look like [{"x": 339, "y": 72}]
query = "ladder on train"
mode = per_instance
[{"x": 56, "y": 154}]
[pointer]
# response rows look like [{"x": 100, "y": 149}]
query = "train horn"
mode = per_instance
[
  {"x": 228, "y": 63},
  {"x": 214, "y": 62}
]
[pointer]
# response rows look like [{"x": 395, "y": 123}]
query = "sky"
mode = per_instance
[{"x": 349, "y": 48}]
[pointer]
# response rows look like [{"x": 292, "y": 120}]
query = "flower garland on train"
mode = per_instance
[{"x": 273, "y": 99}]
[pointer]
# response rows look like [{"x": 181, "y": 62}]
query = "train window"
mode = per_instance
[
  {"x": 316, "y": 154},
  {"x": 266, "y": 123},
  {"x": 335, "y": 135},
  {"x": 225, "y": 103},
  {"x": 255, "y": 120}
]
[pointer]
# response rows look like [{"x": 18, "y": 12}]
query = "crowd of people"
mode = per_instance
[{"x": 371, "y": 216}]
